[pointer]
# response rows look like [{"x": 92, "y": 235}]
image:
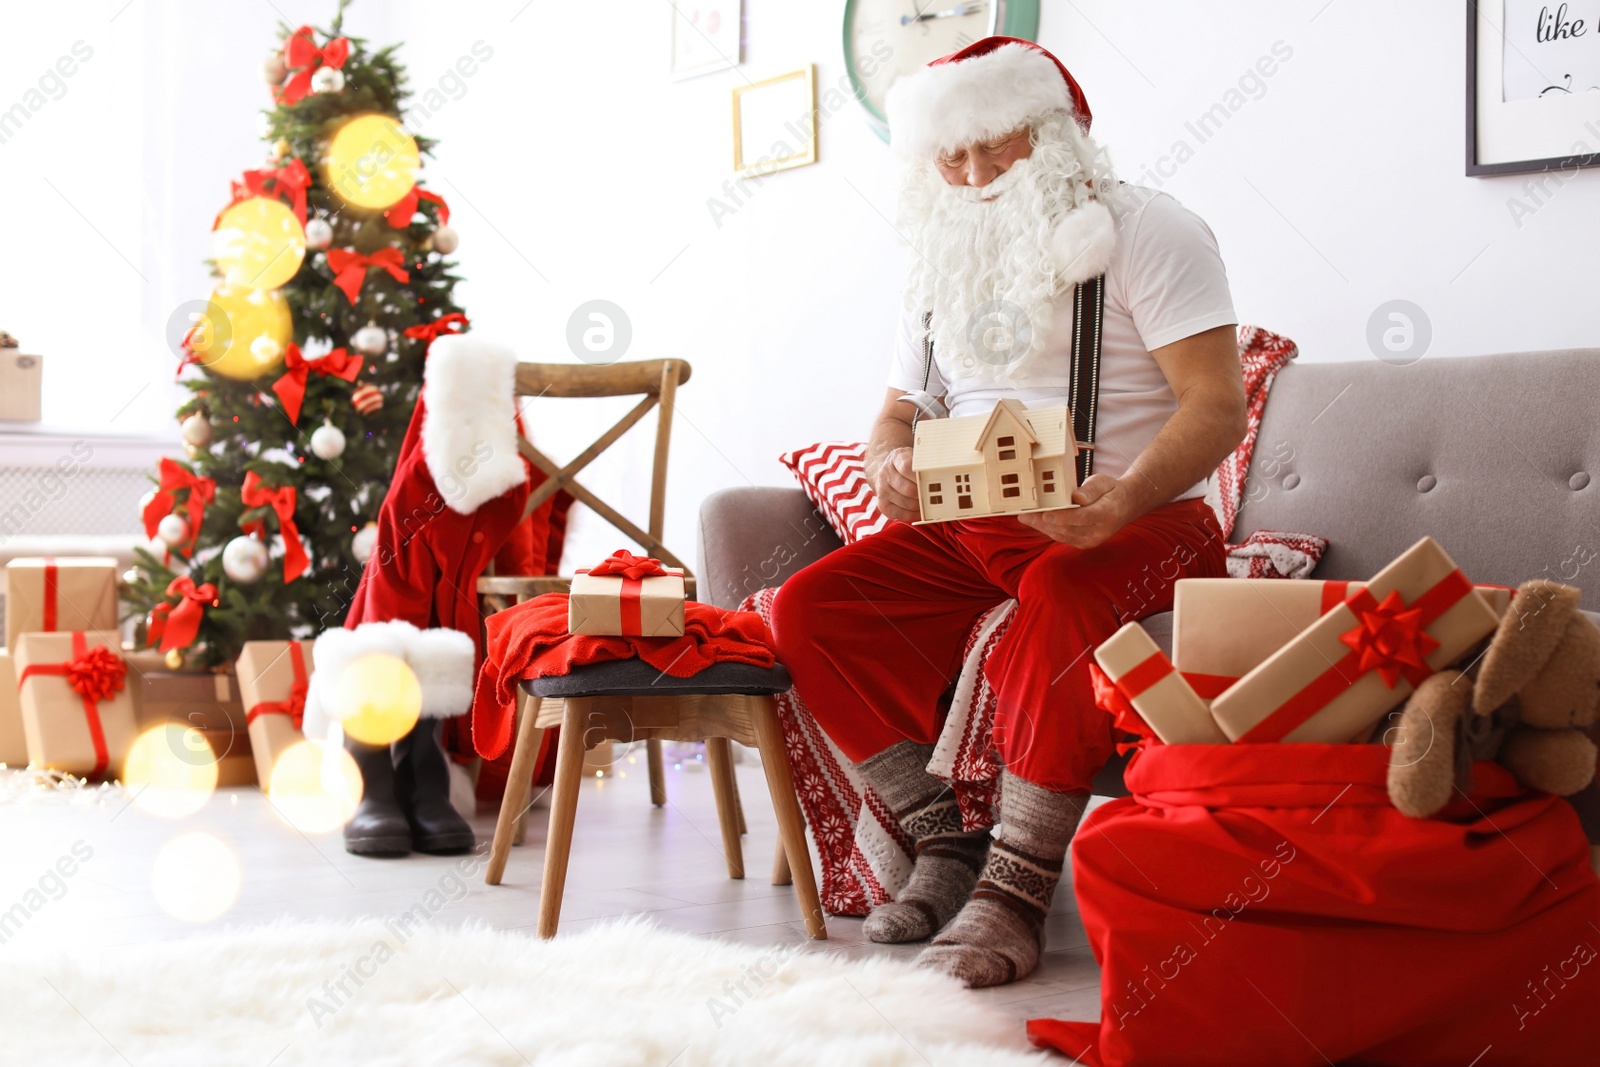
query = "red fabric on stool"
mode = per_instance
[
  {"x": 1267, "y": 905},
  {"x": 531, "y": 640},
  {"x": 873, "y": 633}
]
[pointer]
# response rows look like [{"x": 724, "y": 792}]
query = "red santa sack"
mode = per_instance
[{"x": 1265, "y": 904}]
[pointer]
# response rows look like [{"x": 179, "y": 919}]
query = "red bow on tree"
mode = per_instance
[
  {"x": 301, "y": 55},
  {"x": 287, "y": 182},
  {"x": 1391, "y": 641},
  {"x": 281, "y": 501},
  {"x": 399, "y": 214},
  {"x": 96, "y": 673},
  {"x": 350, "y": 268},
  {"x": 444, "y": 325},
  {"x": 291, "y": 388},
  {"x": 175, "y": 625},
  {"x": 629, "y": 566},
  {"x": 175, "y": 477}
]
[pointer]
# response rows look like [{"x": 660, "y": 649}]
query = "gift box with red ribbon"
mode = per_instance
[
  {"x": 1139, "y": 686},
  {"x": 1333, "y": 681},
  {"x": 273, "y": 678},
  {"x": 13, "y": 743},
  {"x": 50, "y": 595},
  {"x": 627, "y": 596},
  {"x": 1223, "y": 628},
  {"x": 77, "y": 710}
]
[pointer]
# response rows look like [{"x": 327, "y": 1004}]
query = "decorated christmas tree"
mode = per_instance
[{"x": 305, "y": 364}]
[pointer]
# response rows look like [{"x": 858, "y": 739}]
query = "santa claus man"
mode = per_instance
[{"x": 1028, "y": 260}]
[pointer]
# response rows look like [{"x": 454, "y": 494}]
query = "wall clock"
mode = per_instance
[{"x": 884, "y": 39}]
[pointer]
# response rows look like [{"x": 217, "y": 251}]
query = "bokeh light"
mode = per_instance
[
  {"x": 170, "y": 771},
  {"x": 195, "y": 877},
  {"x": 258, "y": 243},
  {"x": 377, "y": 699},
  {"x": 243, "y": 333},
  {"x": 315, "y": 786},
  {"x": 372, "y": 162}
]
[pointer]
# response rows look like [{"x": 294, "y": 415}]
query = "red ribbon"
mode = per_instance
[
  {"x": 176, "y": 625},
  {"x": 1112, "y": 699},
  {"x": 1392, "y": 620},
  {"x": 1334, "y": 594},
  {"x": 281, "y": 500},
  {"x": 301, "y": 54},
  {"x": 295, "y": 706},
  {"x": 175, "y": 477},
  {"x": 95, "y": 674},
  {"x": 629, "y": 565},
  {"x": 444, "y": 325},
  {"x": 350, "y": 268},
  {"x": 288, "y": 181},
  {"x": 401, "y": 212},
  {"x": 52, "y": 582},
  {"x": 291, "y": 388},
  {"x": 1209, "y": 686}
]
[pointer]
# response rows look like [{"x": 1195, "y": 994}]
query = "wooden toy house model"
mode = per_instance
[{"x": 1007, "y": 461}]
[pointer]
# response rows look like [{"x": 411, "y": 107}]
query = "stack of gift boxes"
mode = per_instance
[
  {"x": 1262, "y": 661},
  {"x": 73, "y": 699}
]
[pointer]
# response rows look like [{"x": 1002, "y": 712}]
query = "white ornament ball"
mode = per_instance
[
  {"x": 265, "y": 349},
  {"x": 445, "y": 240},
  {"x": 327, "y": 442},
  {"x": 319, "y": 234},
  {"x": 364, "y": 541},
  {"x": 274, "y": 69},
  {"x": 146, "y": 500},
  {"x": 370, "y": 340},
  {"x": 197, "y": 430},
  {"x": 172, "y": 530},
  {"x": 244, "y": 560},
  {"x": 327, "y": 80}
]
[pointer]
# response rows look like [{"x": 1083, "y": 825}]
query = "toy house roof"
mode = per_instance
[{"x": 942, "y": 444}]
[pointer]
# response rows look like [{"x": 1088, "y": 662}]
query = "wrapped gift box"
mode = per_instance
[
  {"x": 273, "y": 676},
  {"x": 1223, "y": 628},
  {"x": 1148, "y": 680},
  {"x": 49, "y": 595},
  {"x": 13, "y": 743},
  {"x": 1338, "y": 677},
  {"x": 89, "y": 731},
  {"x": 206, "y": 700},
  {"x": 618, "y": 606}
]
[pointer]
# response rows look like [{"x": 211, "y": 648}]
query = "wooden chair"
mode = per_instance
[{"x": 627, "y": 700}]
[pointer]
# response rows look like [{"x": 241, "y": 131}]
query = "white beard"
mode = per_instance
[{"x": 989, "y": 262}]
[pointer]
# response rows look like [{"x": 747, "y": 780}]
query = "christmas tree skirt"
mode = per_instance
[{"x": 379, "y": 992}]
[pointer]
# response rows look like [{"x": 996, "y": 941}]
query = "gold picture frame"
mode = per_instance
[{"x": 779, "y": 113}]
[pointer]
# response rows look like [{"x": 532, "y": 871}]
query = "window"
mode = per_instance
[
  {"x": 964, "y": 492},
  {"x": 964, "y": 503},
  {"x": 1007, "y": 446},
  {"x": 1049, "y": 478},
  {"x": 1008, "y": 479},
  {"x": 935, "y": 499},
  {"x": 935, "y": 487}
]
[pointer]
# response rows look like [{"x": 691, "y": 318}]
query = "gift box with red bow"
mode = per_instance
[
  {"x": 1138, "y": 685},
  {"x": 627, "y": 596},
  {"x": 49, "y": 595},
  {"x": 1223, "y": 628},
  {"x": 77, "y": 710},
  {"x": 273, "y": 679},
  {"x": 13, "y": 743},
  {"x": 1333, "y": 681}
]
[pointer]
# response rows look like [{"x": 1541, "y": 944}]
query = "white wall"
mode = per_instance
[{"x": 578, "y": 170}]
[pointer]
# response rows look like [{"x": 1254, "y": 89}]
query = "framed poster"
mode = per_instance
[
  {"x": 705, "y": 37},
  {"x": 775, "y": 123},
  {"x": 1533, "y": 85}
]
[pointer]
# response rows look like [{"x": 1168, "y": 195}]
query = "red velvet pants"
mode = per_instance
[{"x": 873, "y": 634}]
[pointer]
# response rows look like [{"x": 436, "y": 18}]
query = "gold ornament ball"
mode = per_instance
[
  {"x": 259, "y": 243},
  {"x": 174, "y": 659},
  {"x": 243, "y": 333},
  {"x": 445, "y": 241},
  {"x": 372, "y": 161},
  {"x": 282, "y": 147}
]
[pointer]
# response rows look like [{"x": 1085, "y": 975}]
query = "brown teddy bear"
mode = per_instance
[{"x": 1526, "y": 702}]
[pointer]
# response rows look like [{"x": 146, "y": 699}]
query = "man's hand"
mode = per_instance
[
  {"x": 1104, "y": 506},
  {"x": 896, "y": 486}
]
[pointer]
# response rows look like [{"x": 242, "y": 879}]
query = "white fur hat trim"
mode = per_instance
[
  {"x": 469, "y": 434},
  {"x": 983, "y": 96}
]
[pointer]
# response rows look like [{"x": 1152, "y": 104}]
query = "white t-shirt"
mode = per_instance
[{"x": 1166, "y": 282}]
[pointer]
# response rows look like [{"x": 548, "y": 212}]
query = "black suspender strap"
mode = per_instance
[{"x": 1083, "y": 396}]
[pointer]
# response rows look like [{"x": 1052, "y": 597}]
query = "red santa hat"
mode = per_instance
[
  {"x": 442, "y": 659},
  {"x": 986, "y": 90}
]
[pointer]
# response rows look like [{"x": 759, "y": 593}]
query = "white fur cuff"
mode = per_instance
[{"x": 442, "y": 660}]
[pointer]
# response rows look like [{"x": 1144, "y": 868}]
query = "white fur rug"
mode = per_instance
[{"x": 619, "y": 995}]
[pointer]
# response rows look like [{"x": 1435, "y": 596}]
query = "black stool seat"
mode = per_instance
[{"x": 636, "y": 678}]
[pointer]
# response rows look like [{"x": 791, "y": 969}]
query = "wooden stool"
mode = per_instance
[{"x": 628, "y": 700}]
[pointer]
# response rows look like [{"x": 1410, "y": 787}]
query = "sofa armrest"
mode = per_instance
[{"x": 754, "y": 537}]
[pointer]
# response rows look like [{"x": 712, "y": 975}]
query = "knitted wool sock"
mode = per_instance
[
  {"x": 947, "y": 857},
  {"x": 998, "y": 935}
]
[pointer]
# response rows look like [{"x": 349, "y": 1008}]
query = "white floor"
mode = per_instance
[{"x": 628, "y": 858}]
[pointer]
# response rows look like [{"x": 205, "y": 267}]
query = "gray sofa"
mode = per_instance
[{"x": 1497, "y": 457}]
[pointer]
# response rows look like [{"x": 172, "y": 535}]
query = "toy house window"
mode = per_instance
[
  {"x": 1007, "y": 446},
  {"x": 935, "y": 489},
  {"x": 964, "y": 492},
  {"x": 1009, "y": 487},
  {"x": 1049, "y": 481}
]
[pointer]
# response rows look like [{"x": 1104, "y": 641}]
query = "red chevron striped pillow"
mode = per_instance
[{"x": 833, "y": 475}]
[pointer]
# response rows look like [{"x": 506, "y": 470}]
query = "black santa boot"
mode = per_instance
[
  {"x": 379, "y": 826},
  {"x": 422, "y": 775}
]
